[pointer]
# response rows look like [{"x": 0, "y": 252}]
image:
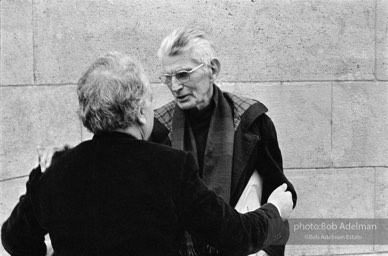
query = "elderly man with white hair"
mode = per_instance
[{"x": 231, "y": 137}]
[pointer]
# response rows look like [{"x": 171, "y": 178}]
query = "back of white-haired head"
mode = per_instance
[
  {"x": 111, "y": 93},
  {"x": 191, "y": 40}
]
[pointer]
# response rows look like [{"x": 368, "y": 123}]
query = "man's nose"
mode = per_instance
[{"x": 176, "y": 85}]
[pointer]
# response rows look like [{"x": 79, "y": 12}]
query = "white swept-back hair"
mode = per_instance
[{"x": 191, "y": 40}]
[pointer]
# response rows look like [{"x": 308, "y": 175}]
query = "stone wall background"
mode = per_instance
[{"x": 320, "y": 66}]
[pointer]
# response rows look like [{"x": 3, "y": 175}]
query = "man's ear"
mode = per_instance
[
  {"x": 215, "y": 67},
  {"x": 141, "y": 117}
]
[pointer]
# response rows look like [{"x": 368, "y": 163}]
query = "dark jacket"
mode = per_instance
[
  {"x": 115, "y": 195},
  {"x": 255, "y": 148}
]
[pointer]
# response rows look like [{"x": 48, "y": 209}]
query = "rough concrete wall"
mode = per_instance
[{"x": 321, "y": 67}]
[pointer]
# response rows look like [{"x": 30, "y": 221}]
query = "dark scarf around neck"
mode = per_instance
[{"x": 217, "y": 166}]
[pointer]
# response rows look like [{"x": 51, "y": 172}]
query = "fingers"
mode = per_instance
[
  {"x": 282, "y": 199},
  {"x": 261, "y": 253},
  {"x": 49, "y": 248},
  {"x": 289, "y": 197},
  {"x": 282, "y": 187},
  {"x": 45, "y": 155},
  {"x": 41, "y": 157},
  {"x": 49, "y": 157}
]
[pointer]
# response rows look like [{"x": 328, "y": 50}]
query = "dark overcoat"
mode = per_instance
[
  {"x": 116, "y": 195},
  {"x": 255, "y": 148}
]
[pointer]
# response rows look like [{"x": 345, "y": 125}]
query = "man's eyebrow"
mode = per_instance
[{"x": 177, "y": 71}]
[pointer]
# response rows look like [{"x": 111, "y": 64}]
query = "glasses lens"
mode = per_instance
[{"x": 183, "y": 76}]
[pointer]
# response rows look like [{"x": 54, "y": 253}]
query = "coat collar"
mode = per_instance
[
  {"x": 240, "y": 105},
  {"x": 245, "y": 112},
  {"x": 245, "y": 142},
  {"x": 113, "y": 135}
]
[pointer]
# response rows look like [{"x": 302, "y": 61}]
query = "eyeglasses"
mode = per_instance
[{"x": 182, "y": 76}]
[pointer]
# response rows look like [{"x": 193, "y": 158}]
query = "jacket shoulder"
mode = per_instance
[
  {"x": 165, "y": 113},
  {"x": 69, "y": 153},
  {"x": 166, "y": 150},
  {"x": 245, "y": 110},
  {"x": 163, "y": 123}
]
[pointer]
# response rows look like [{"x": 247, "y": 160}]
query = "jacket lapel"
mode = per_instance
[
  {"x": 244, "y": 144},
  {"x": 246, "y": 111}
]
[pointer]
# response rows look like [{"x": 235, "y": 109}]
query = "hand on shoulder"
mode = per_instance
[{"x": 45, "y": 154}]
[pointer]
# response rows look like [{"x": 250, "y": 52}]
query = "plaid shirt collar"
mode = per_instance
[{"x": 240, "y": 104}]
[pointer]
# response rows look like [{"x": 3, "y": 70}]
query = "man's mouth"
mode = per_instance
[{"x": 182, "y": 97}]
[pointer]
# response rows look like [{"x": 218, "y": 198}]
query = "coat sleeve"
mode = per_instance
[
  {"x": 270, "y": 163},
  {"x": 270, "y": 167},
  {"x": 21, "y": 234},
  {"x": 209, "y": 217}
]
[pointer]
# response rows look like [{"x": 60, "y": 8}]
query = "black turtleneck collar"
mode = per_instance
[
  {"x": 201, "y": 114},
  {"x": 199, "y": 120}
]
